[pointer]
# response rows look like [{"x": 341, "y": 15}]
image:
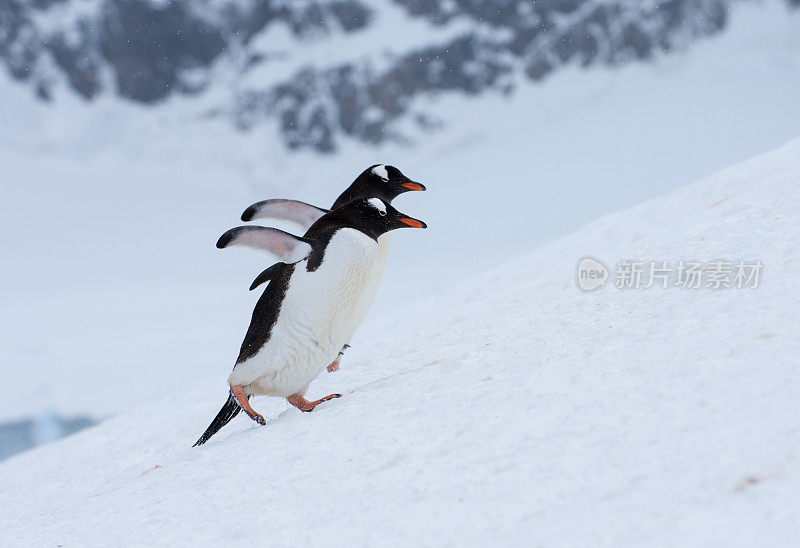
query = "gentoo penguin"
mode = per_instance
[
  {"x": 313, "y": 304},
  {"x": 377, "y": 181}
]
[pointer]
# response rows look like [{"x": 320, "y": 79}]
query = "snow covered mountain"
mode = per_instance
[
  {"x": 324, "y": 69},
  {"x": 513, "y": 408}
]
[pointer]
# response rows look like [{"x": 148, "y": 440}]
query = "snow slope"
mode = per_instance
[
  {"x": 112, "y": 290},
  {"x": 512, "y": 408}
]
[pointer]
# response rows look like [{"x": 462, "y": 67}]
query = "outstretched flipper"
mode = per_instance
[
  {"x": 287, "y": 247},
  {"x": 265, "y": 276},
  {"x": 287, "y": 210},
  {"x": 225, "y": 415}
]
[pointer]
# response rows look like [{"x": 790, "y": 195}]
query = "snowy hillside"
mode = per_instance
[{"x": 512, "y": 408}]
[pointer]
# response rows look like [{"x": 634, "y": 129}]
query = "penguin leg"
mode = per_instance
[
  {"x": 304, "y": 405},
  {"x": 243, "y": 401},
  {"x": 334, "y": 366}
]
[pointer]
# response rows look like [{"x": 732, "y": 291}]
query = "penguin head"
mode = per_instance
[
  {"x": 374, "y": 217},
  {"x": 378, "y": 181}
]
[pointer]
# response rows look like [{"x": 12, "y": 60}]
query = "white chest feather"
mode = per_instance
[
  {"x": 320, "y": 312},
  {"x": 377, "y": 273}
]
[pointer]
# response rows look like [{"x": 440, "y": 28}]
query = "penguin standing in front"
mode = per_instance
[
  {"x": 316, "y": 299},
  {"x": 377, "y": 181}
]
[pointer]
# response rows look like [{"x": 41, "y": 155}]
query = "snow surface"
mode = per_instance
[
  {"x": 114, "y": 294},
  {"x": 511, "y": 409}
]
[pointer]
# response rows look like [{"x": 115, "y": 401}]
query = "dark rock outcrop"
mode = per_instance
[{"x": 147, "y": 50}]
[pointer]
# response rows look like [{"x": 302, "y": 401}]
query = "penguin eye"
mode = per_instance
[
  {"x": 385, "y": 179},
  {"x": 382, "y": 213}
]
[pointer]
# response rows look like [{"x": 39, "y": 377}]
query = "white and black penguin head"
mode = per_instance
[
  {"x": 378, "y": 181},
  {"x": 374, "y": 217}
]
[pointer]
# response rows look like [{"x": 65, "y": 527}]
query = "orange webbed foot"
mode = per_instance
[
  {"x": 244, "y": 403},
  {"x": 307, "y": 406}
]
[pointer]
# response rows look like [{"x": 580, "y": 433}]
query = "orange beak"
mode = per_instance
[
  {"x": 413, "y": 186},
  {"x": 412, "y": 222}
]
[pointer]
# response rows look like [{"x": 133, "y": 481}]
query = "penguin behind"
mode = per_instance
[
  {"x": 377, "y": 181},
  {"x": 313, "y": 304}
]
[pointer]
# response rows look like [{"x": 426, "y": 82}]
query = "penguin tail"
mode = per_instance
[{"x": 225, "y": 415}]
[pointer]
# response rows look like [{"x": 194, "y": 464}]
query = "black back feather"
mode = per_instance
[{"x": 265, "y": 314}]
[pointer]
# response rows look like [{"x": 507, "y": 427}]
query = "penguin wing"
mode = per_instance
[
  {"x": 288, "y": 247},
  {"x": 265, "y": 276},
  {"x": 287, "y": 210}
]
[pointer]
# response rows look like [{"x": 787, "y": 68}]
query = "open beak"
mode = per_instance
[
  {"x": 414, "y": 223},
  {"x": 411, "y": 185}
]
